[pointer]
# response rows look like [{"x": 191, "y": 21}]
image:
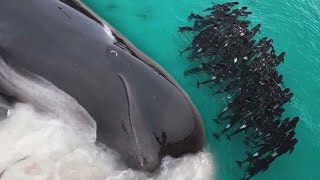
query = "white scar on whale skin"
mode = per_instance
[
  {"x": 109, "y": 32},
  {"x": 48, "y": 99}
]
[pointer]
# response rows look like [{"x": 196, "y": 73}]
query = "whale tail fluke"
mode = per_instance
[
  {"x": 216, "y": 135},
  {"x": 228, "y": 137},
  {"x": 216, "y": 121},
  {"x": 198, "y": 84}
]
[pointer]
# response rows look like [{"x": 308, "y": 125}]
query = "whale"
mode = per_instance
[{"x": 139, "y": 110}]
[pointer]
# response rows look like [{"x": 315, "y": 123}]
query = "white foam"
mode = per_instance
[{"x": 35, "y": 146}]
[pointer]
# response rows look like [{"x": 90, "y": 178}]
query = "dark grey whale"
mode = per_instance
[{"x": 140, "y": 111}]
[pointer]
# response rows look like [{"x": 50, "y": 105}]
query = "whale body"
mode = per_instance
[{"x": 139, "y": 110}]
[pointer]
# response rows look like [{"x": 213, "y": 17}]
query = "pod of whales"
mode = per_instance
[
  {"x": 140, "y": 111},
  {"x": 225, "y": 48}
]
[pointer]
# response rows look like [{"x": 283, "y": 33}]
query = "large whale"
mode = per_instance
[{"x": 140, "y": 111}]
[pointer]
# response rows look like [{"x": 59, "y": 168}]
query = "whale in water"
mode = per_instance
[{"x": 139, "y": 110}]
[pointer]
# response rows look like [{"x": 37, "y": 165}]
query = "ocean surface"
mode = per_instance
[{"x": 294, "y": 25}]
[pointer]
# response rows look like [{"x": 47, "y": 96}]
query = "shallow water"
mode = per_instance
[{"x": 295, "y": 27}]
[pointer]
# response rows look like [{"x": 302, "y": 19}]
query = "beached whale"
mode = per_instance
[{"x": 140, "y": 111}]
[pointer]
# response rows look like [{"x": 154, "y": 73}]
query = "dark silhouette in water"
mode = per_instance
[
  {"x": 185, "y": 28},
  {"x": 224, "y": 44}
]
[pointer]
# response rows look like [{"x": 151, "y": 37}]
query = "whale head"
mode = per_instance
[{"x": 134, "y": 107}]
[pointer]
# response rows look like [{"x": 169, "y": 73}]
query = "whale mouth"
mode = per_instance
[
  {"x": 152, "y": 126},
  {"x": 131, "y": 114}
]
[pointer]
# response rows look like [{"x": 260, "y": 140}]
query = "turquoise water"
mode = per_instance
[{"x": 295, "y": 27}]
